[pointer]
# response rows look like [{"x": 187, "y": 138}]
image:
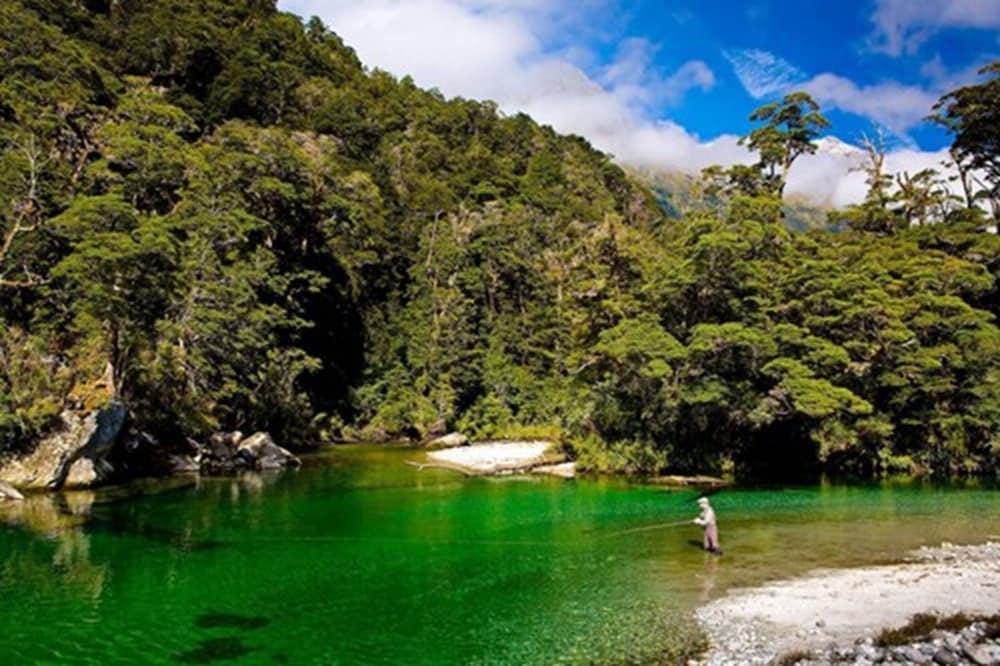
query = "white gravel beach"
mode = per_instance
[
  {"x": 755, "y": 626},
  {"x": 497, "y": 457}
]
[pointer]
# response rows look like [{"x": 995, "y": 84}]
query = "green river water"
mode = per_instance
[{"x": 357, "y": 558}]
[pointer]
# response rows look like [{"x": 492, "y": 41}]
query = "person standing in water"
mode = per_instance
[{"x": 707, "y": 522}]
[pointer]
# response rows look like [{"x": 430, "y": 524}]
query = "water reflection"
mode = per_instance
[
  {"x": 708, "y": 578},
  {"x": 48, "y": 515},
  {"x": 59, "y": 519}
]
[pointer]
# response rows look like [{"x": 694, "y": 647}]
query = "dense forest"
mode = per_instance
[{"x": 215, "y": 213}]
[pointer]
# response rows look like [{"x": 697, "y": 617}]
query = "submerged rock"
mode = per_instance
[
  {"x": 448, "y": 441},
  {"x": 74, "y": 455}
]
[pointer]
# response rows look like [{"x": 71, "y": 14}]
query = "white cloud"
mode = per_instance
[
  {"x": 895, "y": 106},
  {"x": 690, "y": 75},
  {"x": 902, "y": 26},
  {"x": 762, "y": 73},
  {"x": 634, "y": 76},
  {"x": 502, "y": 50},
  {"x": 834, "y": 178}
]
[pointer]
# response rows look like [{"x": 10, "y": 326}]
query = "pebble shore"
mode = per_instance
[{"x": 834, "y": 616}]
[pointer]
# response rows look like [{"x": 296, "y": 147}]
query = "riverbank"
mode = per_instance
[{"x": 846, "y": 608}]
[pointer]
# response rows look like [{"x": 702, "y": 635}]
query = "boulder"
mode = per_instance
[
  {"x": 183, "y": 464},
  {"x": 913, "y": 655},
  {"x": 223, "y": 445},
  {"x": 982, "y": 655},
  {"x": 945, "y": 657},
  {"x": 89, "y": 472},
  {"x": 73, "y": 455},
  {"x": 260, "y": 451},
  {"x": 8, "y": 492},
  {"x": 449, "y": 441}
]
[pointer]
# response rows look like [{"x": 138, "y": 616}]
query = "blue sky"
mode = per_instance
[
  {"x": 669, "y": 84},
  {"x": 812, "y": 38}
]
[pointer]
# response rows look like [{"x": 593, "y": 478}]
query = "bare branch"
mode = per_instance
[{"x": 25, "y": 213}]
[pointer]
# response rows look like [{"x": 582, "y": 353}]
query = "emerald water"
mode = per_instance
[{"x": 358, "y": 558}]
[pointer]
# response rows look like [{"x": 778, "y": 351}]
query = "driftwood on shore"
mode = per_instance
[
  {"x": 9, "y": 492},
  {"x": 694, "y": 481},
  {"x": 439, "y": 465}
]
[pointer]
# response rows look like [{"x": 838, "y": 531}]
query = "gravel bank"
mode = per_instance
[
  {"x": 846, "y": 607},
  {"x": 497, "y": 457}
]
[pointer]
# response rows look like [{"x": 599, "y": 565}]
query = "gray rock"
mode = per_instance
[
  {"x": 184, "y": 464},
  {"x": 73, "y": 455},
  {"x": 8, "y": 492},
  {"x": 223, "y": 445},
  {"x": 913, "y": 655},
  {"x": 265, "y": 454},
  {"x": 448, "y": 441},
  {"x": 982, "y": 655},
  {"x": 945, "y": 657}
]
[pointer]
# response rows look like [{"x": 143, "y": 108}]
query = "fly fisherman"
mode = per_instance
[{"x": 707, "y": 522}]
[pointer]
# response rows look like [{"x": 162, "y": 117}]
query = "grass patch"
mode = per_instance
[
  {"x": 921, "y": 625},
  {"x": 955, "y": 622},
  {"x": 992, "y": 626},
  {"x": 792, "y": 658}
]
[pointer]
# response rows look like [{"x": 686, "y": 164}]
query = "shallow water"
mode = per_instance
[{"x": 358, "y": 558}]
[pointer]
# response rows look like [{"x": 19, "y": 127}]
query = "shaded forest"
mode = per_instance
[{"x": 215, "y": 213}]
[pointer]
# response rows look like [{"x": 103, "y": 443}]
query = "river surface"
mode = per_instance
[{"x": 357, "y": 558}]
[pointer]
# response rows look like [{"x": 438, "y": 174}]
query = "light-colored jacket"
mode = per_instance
[{"x": 707, "y": 517}]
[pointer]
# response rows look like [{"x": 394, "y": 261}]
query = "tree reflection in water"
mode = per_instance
[{"x": 60, "y": 519}]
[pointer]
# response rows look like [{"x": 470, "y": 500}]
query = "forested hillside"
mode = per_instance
[{"x": 214, "y": 212}]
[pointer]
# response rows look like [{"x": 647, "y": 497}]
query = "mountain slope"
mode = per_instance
[{"x": 678, "y": 193}]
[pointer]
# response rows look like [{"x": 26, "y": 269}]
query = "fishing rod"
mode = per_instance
[
  {"x": 647, "y": 528},
  {"x": 706, "y": 492},
  {"x": 392, "y": 540}
]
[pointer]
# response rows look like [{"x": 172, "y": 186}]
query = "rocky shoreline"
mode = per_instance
[
  {"x": 92, "y": 449},
  {"x": 855, "y": 615},
  {"x": 977, "y": 644}
]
